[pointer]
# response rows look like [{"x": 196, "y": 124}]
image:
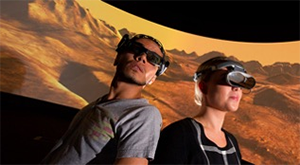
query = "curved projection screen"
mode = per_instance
[{"x": 63, "y": 51}]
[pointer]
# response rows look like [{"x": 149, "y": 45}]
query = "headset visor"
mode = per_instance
[{"x": 240, "y": 79}]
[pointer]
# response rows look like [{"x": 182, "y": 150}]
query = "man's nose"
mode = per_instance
[{"x": 142, "y": 57}]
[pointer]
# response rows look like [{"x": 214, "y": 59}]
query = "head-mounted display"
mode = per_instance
[
  {"x": 240, "y": 79},
  {"x": 236, "y": 76}
]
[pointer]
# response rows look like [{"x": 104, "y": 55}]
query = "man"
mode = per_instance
[{"x": 120, "y": 127}]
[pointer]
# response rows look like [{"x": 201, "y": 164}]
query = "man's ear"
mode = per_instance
[
  {"x": 203, "y": 87},
  {"x": 117, "y": 59}
]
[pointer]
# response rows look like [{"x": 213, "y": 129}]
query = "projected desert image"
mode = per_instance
[{"x": 57, "y": 51}]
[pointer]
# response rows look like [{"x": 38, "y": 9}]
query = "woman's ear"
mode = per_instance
[{"x": 203, "y": 87}]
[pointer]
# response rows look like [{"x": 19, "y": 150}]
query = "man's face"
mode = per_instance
[{"x": 135, "y": 68}]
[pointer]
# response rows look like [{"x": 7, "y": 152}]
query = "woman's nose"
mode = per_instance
[{"x": 236, "y": 88}]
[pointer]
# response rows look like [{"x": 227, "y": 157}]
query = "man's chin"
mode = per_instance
[{"x": 135, "y": 81}]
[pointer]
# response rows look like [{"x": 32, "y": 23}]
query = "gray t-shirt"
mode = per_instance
[{"x": 102, "y": 132}]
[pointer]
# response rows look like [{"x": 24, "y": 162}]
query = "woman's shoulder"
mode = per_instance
[
  {"x": 181, "y": 124},
  {"x": 181, "y": 130},
  {"x": 229, "y": 134}
]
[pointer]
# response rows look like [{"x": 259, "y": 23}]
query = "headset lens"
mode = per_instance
[
  {"x": 240, "y": 79},
  {"x": 152, "y": 57}
]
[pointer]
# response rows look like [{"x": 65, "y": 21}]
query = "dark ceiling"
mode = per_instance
[{"x": 249, "y": 21}]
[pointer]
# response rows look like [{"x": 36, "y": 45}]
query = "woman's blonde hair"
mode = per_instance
[{"x": 198, "y": 93}]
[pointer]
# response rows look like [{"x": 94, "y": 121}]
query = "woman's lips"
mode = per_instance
[{"x": 234, "y": 98}]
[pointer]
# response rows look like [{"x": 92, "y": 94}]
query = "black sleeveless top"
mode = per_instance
[{"x": 184, "y": 142}]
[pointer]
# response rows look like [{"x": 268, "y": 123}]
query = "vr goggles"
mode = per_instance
[
  {"x": 138, "y": 49},
  {"x": 236, "y": 76}
]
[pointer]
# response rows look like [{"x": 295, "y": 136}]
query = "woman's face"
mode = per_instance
[{"x": 220, "y": 95}]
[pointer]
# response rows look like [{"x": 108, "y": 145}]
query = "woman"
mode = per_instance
[{"x": 219, "y": 83}]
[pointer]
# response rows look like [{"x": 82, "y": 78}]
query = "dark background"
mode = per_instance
[
  {"x": 30, "y": 128},
  {"x": 250, "y": 21}
]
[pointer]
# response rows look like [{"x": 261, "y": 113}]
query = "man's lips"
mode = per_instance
[{"x": 137, "y": 67}]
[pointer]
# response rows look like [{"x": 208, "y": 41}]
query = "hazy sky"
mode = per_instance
[{"x": 265, "y": 53}]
